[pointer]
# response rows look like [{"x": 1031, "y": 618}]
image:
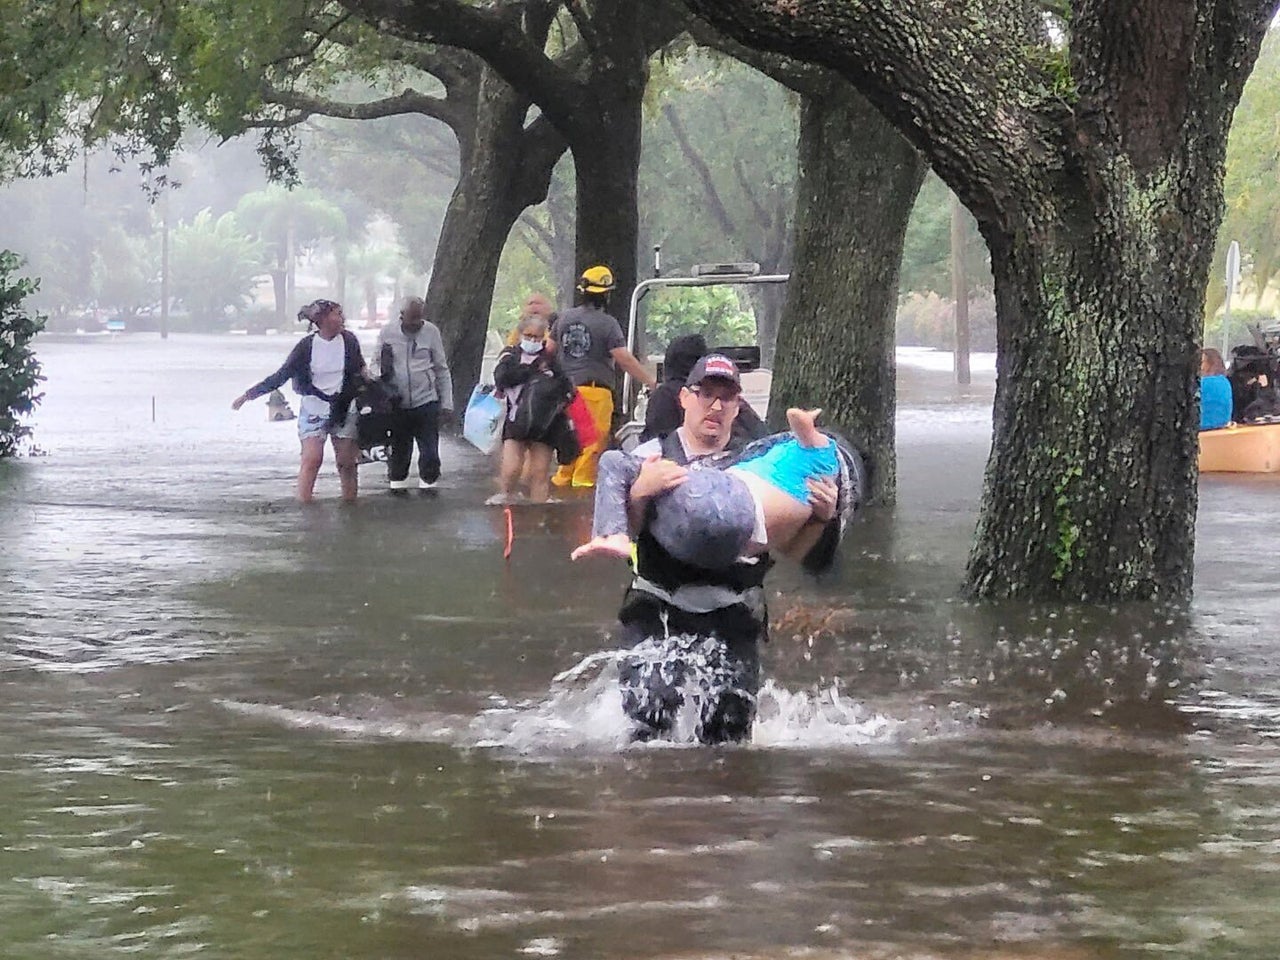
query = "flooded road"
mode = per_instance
[{"x": 234, "y": 727}]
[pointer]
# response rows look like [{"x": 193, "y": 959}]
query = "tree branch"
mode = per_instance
[
  {"x": 541, "y": 241},
  {"x": 543, "y": 145},
  {"x": 762, "y": 215},
  {"x": 307, "y": 53},
  {"x": 701, "y": 171},
  {"x": 791, "y": 73},
  {"x": 406, "y": 102},
  {"x": 586, "y": 29},
  {"x": 955, "y": 79},
  {"x": 487, "y": 31}
]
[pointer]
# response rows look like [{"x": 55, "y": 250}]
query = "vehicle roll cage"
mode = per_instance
[{"x": 702, "y": 275}]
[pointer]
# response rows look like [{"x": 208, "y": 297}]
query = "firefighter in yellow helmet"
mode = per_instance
[{"x": 591, "y": 346}]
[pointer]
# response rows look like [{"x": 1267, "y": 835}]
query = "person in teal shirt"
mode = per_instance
[{"x": 1215, "y": 391}]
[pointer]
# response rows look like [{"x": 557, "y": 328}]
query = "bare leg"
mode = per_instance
[
  {"x": 347, "y": 454},
  {"x": 528, "y": 478},
  {"x": 803, "y": 424},
  {"x": 538, "y": 472},
  {"x": 309, "y": 467},
  {"x": 513, "y": 458}
]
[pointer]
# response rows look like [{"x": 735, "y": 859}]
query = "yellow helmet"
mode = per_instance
[{"x": 598, "y": 279}]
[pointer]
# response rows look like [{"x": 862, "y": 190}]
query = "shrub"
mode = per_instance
[
  {"x": 19, "y": 369},
  {"x": 928, "y": 320}
]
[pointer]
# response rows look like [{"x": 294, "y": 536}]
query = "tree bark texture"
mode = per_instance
[
  {"x": 591, "y": 92},
  {"x": 852, "y": 251},
  {"x": 505, "y": 168},
  {"x": 1095, "y": 176},
  {"x": 858, "y": 181},
  {"x": 607, "y": 173}
]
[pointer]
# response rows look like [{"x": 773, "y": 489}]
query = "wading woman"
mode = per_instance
[{"x": 326, "y": 368}]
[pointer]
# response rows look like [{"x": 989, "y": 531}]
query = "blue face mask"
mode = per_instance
[{"x": 530, "y": 344}]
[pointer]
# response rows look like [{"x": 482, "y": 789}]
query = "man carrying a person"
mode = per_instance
[{"x": 694, "y": 633}]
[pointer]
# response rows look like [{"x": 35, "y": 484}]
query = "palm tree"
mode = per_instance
[
  {"x": 289, "y": 221},
  {"x": 372, "y": 266},
  {"x": 215, "y": 264}
]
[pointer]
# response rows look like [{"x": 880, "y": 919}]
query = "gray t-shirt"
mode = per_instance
[{"x": 586, "y": 335}]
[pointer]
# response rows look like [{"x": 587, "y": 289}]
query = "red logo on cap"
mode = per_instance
[{"x": 718, "y": 366}]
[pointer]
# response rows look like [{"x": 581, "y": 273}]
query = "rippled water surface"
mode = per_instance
[{"x": 234, "y": 727}]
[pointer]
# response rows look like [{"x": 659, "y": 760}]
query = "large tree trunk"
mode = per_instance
[
  {"x": 606, "y": 161},
  {"x": 1095, "y": 175},
  {"x": 608, "y": 215},
  {"x": 835, "y": 345},
  {"x": 504, "y": 169},
  {"x": 1094, "y": 447},
  {"x": 460, "y": 293}
]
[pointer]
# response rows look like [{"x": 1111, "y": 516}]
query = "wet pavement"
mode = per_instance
[{"x": 232, "y": 726}]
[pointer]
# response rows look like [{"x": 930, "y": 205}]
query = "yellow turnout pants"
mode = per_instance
[{"x": 582, "y": 472}]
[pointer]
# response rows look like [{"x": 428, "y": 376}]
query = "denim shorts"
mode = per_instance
[{"x": 312, "y": 424}]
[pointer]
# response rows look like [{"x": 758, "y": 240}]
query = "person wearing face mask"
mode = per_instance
[
  {"x": 412, "y": 361},
  {"x": 537, "y": 391}
]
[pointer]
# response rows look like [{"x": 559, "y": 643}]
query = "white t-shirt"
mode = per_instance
[{"x": 328, "y": 357}]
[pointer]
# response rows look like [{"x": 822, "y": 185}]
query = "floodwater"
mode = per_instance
[{"x": 234, "y": 727}]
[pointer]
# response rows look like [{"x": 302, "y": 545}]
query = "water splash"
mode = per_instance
[
  {"x": 821, "y": 718},
  {"x": 582, "y": 713}
]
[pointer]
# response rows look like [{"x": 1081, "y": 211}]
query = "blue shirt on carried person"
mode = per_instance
[{"x": 1215, "y": 402}]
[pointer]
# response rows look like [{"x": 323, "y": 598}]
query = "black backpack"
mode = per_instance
[
  {"x": 541, "y": 402},
  {"x": 376, "y": 406}
]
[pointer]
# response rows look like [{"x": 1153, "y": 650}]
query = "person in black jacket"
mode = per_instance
[
  {"x": 537, "y": 392},
  {"x": 664, "y": 413},
  {"x": 327, "y": 369},
  {"x": 1253, "y": 383}
]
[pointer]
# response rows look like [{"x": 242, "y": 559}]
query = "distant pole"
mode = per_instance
[
  {"x": 1233, "y": 278},
  {"x": 164, "y": 269},
  {"x": 960, "y": 292}
]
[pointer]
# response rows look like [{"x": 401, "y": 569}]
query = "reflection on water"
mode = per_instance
[{"x": 233, "y": 726}]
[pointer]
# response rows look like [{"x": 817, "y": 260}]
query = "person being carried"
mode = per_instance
[{"x": 711, "y": 518}]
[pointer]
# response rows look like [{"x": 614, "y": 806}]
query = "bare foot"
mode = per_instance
[
  {"x": 614, "y": 545},
  {"x": 803, "y": 424}
]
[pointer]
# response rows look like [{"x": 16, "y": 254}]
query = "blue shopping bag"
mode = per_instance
[{"x": 482, "y": 423}]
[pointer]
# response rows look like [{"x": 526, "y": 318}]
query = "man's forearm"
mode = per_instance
[{"x": 628, "y": 362}]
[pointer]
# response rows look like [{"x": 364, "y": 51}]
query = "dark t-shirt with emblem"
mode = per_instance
[{"x": 586, "y": 336}]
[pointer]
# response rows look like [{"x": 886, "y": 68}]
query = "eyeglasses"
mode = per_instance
[{"x": 708, "y": 398}]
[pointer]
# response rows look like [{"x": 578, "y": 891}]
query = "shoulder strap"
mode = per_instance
[{"x": 672, "y": 448}]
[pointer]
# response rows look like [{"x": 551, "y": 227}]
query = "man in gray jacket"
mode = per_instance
[{"x": 411, "y": 359}]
